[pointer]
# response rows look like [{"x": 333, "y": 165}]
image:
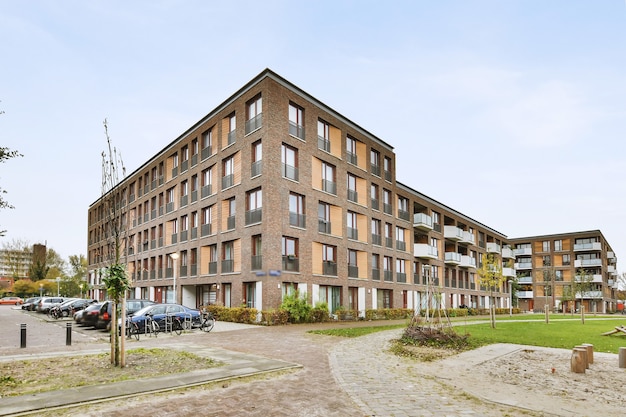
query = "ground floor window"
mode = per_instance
[
  {"x": 383, "y": 298},
  {"x": 331, "y": 296},
  {"x": 249, "y": 291}
]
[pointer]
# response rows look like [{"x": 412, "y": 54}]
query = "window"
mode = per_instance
[
  {"x": 232, "y": 127},
  {"x": 558, "y": 275},
  {"x": 545, "y": 246},
  {"x": 437, "y": 224},
  {"x": 257, "y": 253},
  {"x": 388, "y": 268},
  {"x": 184, "y": 193},
  {"x": 254, "y": 204},
  {"x": 174, "y": 231},
  {"x": 207, "y": 144},
  {"x": 290, "y": 254},
  {"x": 257, "y": 156},
  {"x": 329, "y": 260},
  {"x": 289, "y": 159},
  {"x": 254, "y": 111},
  {"x": 323, "y": 135},
  {"x": 383, "y": 299},
  {"x": 387, "y": 205},
  {"x": 228, "y": 252},
  {"x": 566, "y": 260},
  {"x": 351, "y": 155},
  {"x": 353, "y": 268},
  {"x": 389, "y": 235},
  {"x": 323, "y": 214},
  {"x": 228, "y": 170},
  {"x": 547, "y": 261},
  {"x": 207, "y": 182},
  {"x": 352, "y": 193},
  {"x": 376, "y": 232},
  {"x": 249, "y": 290},
  {"x": 376, "y": 266},
  {"x": 403, "y": 208},
  {"x": 174, "y": 163},
  {"x": 296, "y": 121},
  {"x": 194, "y": 188},
  {"x": 170, "y": 195},
  {"x": 374, "y": 197},
  {"x": 375, "y": 162},
  {"x": 400, "y": 270},
  {"x": 194, "y": 152},
  {"x": 328, "y": 178},
  {"x": 213, "y": 259},
  {"x": 230, "y": 208},
  {"x": 194, "y": 224},
  {"x": 184, "y": 228},
  {"x": 558, "y": 245},
  {"x": 296, "y": 210},
  {"x": 184, "y": 152},
  {"x": 351, "y": 219},
  {"x": 400, "y": 242},
  {"x": 387, "y": 168}
]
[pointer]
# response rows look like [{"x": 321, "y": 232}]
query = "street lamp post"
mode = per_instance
[
  {"x": 58, "y": 286},
  {"x": 174, "y": 257}
]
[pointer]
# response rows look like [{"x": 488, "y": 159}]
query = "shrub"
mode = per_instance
[{"x": 297, "y": 308}]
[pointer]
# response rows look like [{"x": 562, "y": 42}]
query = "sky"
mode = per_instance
[{"x": 511, "y": 112}]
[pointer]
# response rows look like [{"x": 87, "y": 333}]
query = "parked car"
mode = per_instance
[
  {"x": 15, "y": 301},
  {"x": 45, "y": 303},
  {"x": 159, "y": 312},
  {"x": 68, "y": 307},
  {"x": 132, "y": 305},
  {"x": 89, "y": 315},
  {"x": 31, "y": 303}
]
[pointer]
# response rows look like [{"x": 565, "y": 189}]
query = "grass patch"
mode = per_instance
[
  {"x": 357, "y": 331},
  {"x": 33, "y": 376},
  {"x": 563, "y": 334}
]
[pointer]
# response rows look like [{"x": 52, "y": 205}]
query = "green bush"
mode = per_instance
[
  {"x": 234, "y": 314},
  {"x": 388, "y": 314},
  {"x": 297, "y": 308},
  {"x": 274, "y": 317},
  {"x": 319, "y": 313}
]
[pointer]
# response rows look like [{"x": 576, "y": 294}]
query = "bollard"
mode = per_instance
[
  {"x": 68, "y": 334},
  {"x": 23, "y": 335},
  {"x": 577, "y": 361},
  {"x": 622, "y": 357}
]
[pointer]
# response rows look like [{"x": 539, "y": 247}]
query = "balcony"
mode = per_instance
[
  {"x": 452, "y": 258},
  {"x": 525, "y": 280},
  {"x": 509, "y": 272},
  {"x": 589, "y": 294},
  {"x": 524, "y": 294},
  {"x": 585, "y": 247},
  {"x": 507, "y": 253},
  {"x": 611, "y": 269},
  {"x": 524, "y": 265},
  {"x": 493, "y": 247},
  {"x": 424, "y": 250},
  {"x": 453, "y": 233},
  {"x": 611, "y": 256},
  {"x": 422, "y": 221},
  {"x": 523, "y": 252},
  {"x": 580, "y": 263},
  {"x": 467, "y": 262},
  {"x": 597, "y": 278},
  {"x": 468, "y": 238}
]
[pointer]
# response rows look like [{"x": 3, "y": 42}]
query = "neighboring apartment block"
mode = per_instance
[
  {"x": 274, "y": 191},
  {"x": 15, "y": 263},
  {"x": 564, "y": 271}
]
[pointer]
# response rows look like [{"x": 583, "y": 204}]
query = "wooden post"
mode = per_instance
[
  {"x": 589, "y": 347},
  {"x": 622, "y": 357},
  {"x": 578, "y": 360},
  {"x": 586, "y": 355}
]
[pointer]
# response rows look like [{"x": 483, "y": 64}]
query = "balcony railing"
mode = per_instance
[
  {"x": 228, "y": 265},
  {"x": 375, "y": 170},
  {"x": 254, "y": 216},
  {"x": 376, "y": 274},
  {"x": 375, "y": 204},
  {"x": 579, "y": 263},
  {"x": 353, "y": 271},
  {"x": 296, "y": 219},
  {"x": 323, "y": 226},
  {"x": 291, "y": 263},
  {"x": 290, "y": 172},
  {"x": 353, "y": 196},
  {"x": 422, "y": 221},
  {"x": 400, "y": 245},
  {"x": 404, "y": 215},
  {"x": 206, "y": 152},
  {"x": 205, "y": 229},
  {"x": 376, "y": 239},
  {"x": 353, "y": 233},
  {"x": 351, "y": 158},
  {"x": 255, "y": 123},
  {"x": 323, "y": 144},
  {"x": 232, "y": 136},
  {"x": 453, "y": 233},
  {"x": 230, "y": 223},
  {"x": 329, "y": 268},
  {"x": 452, "y": 258},
  {"x": 467, "y": 262},
  {"x": 424, "y": 250},
  {"x": 388, "y": 275},
  {"x": 522, "y": 251},
  {"x": 228, "y": 181},
  {"x": 590, "y": 246},
  {"x": 256, "y": 262},
  {"x": 212, "y": 268},
  {"x": 256, "y": 168},
  {"x": 296, "y": 130},
  {"x": 206, "y": 191},
  {"x": 400, "y": 277},
  {"x": 329, "y": 187}
]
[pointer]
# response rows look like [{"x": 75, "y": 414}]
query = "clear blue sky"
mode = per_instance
[{"x": 511, "y": 112}]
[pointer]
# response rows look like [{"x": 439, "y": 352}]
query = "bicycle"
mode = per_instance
[
  {"x": 152, "y": 326},
  {"x": 132, "y": 329},
  {"x": 173, "y": 323},
  {"x": 208, "y": 321}
]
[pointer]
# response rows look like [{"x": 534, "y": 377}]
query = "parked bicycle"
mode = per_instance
[
  {"x": 132, "y": 329},
  {"x": 208, "y": 321},
  {"x": 152, "y": 327},
  {"x": 174, "y": 324}
]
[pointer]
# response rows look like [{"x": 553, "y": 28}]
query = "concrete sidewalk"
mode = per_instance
[{"x": 236, "y": 365}]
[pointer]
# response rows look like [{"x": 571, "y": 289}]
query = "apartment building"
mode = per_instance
[
  {"x": 564, "y": 271},
  {"x": 15, "y": 263},
  {"x": 273, "y": 191}
]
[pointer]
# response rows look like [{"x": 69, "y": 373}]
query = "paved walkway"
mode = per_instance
[{"x": 334, "y": 377}]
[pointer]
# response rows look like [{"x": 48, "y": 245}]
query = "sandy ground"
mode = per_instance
[{"x": 537, "y": 378}]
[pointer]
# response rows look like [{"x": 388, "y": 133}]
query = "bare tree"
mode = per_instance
[
  {"x": 115, "y": 278},
  {"x": 5, "y": 155}
]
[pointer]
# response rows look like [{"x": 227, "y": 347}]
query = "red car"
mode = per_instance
[{"x": 15, "y": 301}]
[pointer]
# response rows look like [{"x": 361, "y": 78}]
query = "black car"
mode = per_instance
[
  {"x": 68, "y": 309},
  {"x": 104, "y": 318},
  {"x": 88, "y": 316},
  {"x": 31, "y": 303}
]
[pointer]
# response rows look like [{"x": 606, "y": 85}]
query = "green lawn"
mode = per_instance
[{"x": 563, "y": 331}]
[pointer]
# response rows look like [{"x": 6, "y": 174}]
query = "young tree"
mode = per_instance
[
  {"x": 582, "y": 285},
  {"x": 5, "y": 155},
  {"x": 114, "y": 276},
  {"x": 490, "y": 274}
]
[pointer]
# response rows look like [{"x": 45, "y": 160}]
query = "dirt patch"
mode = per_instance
[{"x": 32, "y": 376}]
